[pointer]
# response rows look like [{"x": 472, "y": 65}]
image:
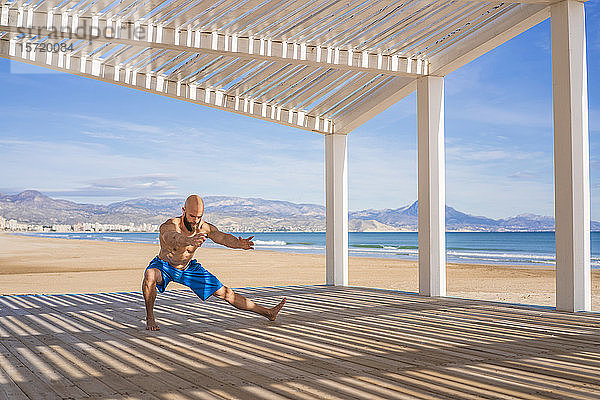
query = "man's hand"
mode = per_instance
[
  {"x": 246, "y": 244},
  {"x": 197, "y": 239}
]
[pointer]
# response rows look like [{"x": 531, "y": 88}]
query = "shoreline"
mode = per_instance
[
  {"x": 357, "y": 250},
  {"x": 270, "y": 252},
  {"x": 41, "y": 265}
]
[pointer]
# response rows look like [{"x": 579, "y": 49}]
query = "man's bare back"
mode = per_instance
[{"x": 179, "y": 239}]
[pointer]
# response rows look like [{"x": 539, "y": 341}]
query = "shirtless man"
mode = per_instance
[{"x": 179, "y": 238}]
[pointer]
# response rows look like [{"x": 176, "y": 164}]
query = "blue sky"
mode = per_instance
[{"x": 88, "y": 141}]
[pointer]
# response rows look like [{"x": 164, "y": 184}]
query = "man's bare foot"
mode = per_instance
[
  {"x": 151, "y": 325},
  {"x": 275, "y": 310}
]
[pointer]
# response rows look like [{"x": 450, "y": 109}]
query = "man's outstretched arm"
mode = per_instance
[{"x": 229, "y": 240}]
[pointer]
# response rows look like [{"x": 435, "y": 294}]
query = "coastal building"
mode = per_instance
[
  {"x": 61, "y": 228},
  {"x": 14, "y": 225}
]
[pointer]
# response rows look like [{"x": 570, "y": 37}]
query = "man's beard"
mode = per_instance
[{"x": 189, "y": 226}]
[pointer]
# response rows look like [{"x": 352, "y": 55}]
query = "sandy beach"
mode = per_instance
[{"x": 31, "y": 265}]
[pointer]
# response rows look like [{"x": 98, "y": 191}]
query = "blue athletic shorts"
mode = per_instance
[{"x": 194, "y": 276}]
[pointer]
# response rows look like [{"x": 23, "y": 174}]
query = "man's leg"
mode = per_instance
[
  {"x": 152, "y": 276},
  {"x": 242, "y": 303}
]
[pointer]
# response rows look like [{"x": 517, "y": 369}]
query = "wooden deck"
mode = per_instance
[{"x": 329, "y": 342}]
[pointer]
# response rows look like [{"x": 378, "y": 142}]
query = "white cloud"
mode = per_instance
[
  {"x": 239, "y": 163},
  {"x": 118, "y": 124},
  {"x": 594, "y": 120},
  {"x": 154, "y": 185},
  {"x": 381, "y": 171},
  {"x": 498, "y": 182},
  {"x": 464, "y": 79},
  {"x": 486, "y": 153},
  {"x": 477, "y": 192},
  {"x": 67, "y": 167},
  {"x": 515, "y": 115},
  {"x": 103, "y": 135},
  {"x": 523, "y": 175}
]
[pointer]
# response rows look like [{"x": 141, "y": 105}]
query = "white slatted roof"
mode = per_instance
[{"x": 317, "y": 65}]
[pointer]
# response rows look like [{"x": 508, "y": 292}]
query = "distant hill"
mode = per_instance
[
  {"x": 406, "y": 218},
  {"x": 249, "y": 214},
  {"x": 231, "y": 213}
]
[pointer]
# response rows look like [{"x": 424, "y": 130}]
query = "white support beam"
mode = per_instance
[
  {"x": 571, "y": 157},
  {"x": 431, "y": 186},
  {"x": 372, "y": 105},
  {"x": 336, "y": 177},
  {"x": 210, "y": 43},
  {"x": 515, "y": 22},
  {"x": 78, "y": 63}
]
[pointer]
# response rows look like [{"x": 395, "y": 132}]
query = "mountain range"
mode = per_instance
[{"x": 249, "y": 214}]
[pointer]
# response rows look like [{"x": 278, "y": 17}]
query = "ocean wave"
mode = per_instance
[
  {"x": 112, "y": 237},
  {"x": 502, "y": 255},
  {"x": 464, "y": 256},
  {"x": 270, "y": 242},
  {"x": 479, "y": 249},
  {"x": 383, "y": 246},
  {"x": 391, "y": 250},
  {"x": 368, "y": 246},
  {"x": 319, "y": 248}
]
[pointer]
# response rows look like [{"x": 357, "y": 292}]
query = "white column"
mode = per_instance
[
  {"x": 571, "y": 157},
  {"x": 431, "y": 185},
  {"x": 336, "y": 177}
]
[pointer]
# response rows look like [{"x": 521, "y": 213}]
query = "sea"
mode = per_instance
[{"x": 501, "y": 248}]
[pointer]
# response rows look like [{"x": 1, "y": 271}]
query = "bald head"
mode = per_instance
[
  {"x": 192, "y": 212},
  {"x": 194, "y": 202}
]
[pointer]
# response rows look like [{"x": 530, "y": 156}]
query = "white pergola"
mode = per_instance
[{"x": 328, "y": 66}]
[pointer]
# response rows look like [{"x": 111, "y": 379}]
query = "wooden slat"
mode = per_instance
[{"x": 334, "y": 343}]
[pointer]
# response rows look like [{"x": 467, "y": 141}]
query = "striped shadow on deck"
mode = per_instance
[{"x": 329, "y": 342}]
